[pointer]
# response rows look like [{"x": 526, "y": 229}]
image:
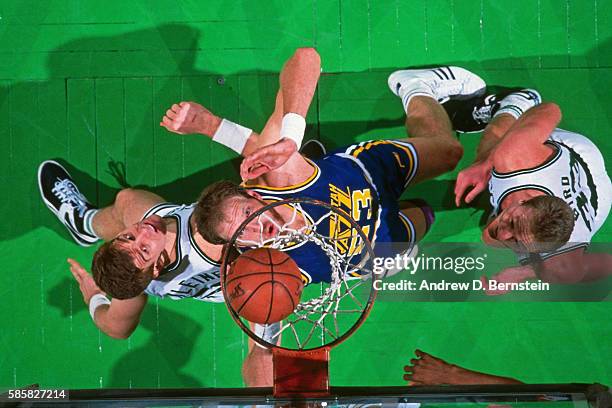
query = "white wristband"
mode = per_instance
[
  {"x": 293, "y": 127},
  {"x": 232, "y": 135},
  {"x": 95, "y": 302}
]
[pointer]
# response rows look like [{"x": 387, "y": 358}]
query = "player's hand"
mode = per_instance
[
  {"x": 190, "y": 117},
  {"x": 427, "y": 370},
  {"x": 267, "y": 158},
  {"x": 87, "y": 285},
  {"x": 476, "y": 177}
]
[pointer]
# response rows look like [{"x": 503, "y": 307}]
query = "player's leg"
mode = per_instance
[
  {"x": 86, "y": 223},
  {"x": 432, "y": 137},
  {"x": 258, "y": 367},
  {"x": 436, "y": 105},
  {"x": 419, "y": 214},
  {"x": 422, "y": 92},
  {"x": 428, "y": 124}
]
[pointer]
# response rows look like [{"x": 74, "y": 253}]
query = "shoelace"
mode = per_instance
[
  {"x": 450, "y": 86},
  {"x": 68, "y": 193},
  {"x": 482, "y": 114}
]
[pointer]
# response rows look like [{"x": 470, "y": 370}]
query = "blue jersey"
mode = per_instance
[{"x": 365, "y": 181}]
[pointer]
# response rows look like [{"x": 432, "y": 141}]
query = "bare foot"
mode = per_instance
[{"x": 190, "y": 117}]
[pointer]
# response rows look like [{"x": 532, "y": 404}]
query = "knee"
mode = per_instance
[{"x": 453, "y": 154}]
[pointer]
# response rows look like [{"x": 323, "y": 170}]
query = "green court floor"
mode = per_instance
[{"x": 87, "y": 82}]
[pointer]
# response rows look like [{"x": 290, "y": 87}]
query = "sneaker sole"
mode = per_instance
[{"x": 50, "y": 206}]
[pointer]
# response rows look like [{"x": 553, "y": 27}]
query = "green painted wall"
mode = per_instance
[{"x": 87, "y": 82}]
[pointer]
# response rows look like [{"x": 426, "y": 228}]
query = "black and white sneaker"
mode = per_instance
[
  {"x": 64, "y": 199},
  {"x": 439, "y": 83},
  {"x": 313, "y": 149},
  {"x": 473, "y": 114}
]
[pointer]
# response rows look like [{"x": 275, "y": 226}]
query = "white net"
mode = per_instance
[{"x": 337, "y": 305}]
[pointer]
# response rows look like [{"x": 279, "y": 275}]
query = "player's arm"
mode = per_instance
[
  {"x": 575, "y": 266},
  {"x": 278, "y": 144},
  {"x": 117, "y": 318},
  {"x": 298, "y": 81},
  {"x": 429, "y": 370},
  {"x": 121, "y": 317},
  {"x": 192, "y": 118},
  {"x": 523, "y": 144},
  {"x": 474, "y": 179},
  {"x": 258, "y": 366}
]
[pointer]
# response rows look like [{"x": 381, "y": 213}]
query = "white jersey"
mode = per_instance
[
  {"x": 576, "y": 173},
  {"x": 193, "y": 274}
]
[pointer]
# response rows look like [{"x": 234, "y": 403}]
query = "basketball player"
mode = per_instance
[
  {"x": 549, "y": 188},
  {"x": 365, "y": 180},
  {"x": 153, "y": 247}
]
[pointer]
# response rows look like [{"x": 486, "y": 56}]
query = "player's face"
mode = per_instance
[
  {"x": 238, "y": 209},
  {"x": 144, "y": 241},
  {"x": 510, "y": 229}
]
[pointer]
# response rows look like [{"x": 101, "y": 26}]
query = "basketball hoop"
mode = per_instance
[{"x": 329, "y": 312}]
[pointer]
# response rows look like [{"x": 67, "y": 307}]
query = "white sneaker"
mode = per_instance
[{"x": 438, "y": 83}]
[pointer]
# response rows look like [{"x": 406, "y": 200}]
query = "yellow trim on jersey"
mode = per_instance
[
  {"x": 371, "y": 144},
  {"x": 312, "y": 177}
]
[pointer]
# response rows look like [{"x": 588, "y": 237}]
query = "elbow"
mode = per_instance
[
  {"x": 119, "y": 334},
  {"x": 563, "y": 273},
  {"x": 308, "y": 55},
  {"x": 553, "y": 110}
]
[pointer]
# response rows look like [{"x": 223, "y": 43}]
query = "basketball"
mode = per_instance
[{"x": 264, "y": 285}]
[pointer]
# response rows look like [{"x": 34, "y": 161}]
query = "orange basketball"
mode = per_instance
[{"x": 264, "y": 285}]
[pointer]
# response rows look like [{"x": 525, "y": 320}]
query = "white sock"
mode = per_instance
[
  {"x": 515, "y": 105},
  {"x": 88, "y": 222},
  {"x": 408, "y": 94}
]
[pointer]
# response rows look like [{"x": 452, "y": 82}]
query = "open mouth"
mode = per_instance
[{"x": 270, "y": 230}]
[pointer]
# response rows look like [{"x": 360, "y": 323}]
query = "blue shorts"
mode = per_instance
[{"x": 390, "y": 165}]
